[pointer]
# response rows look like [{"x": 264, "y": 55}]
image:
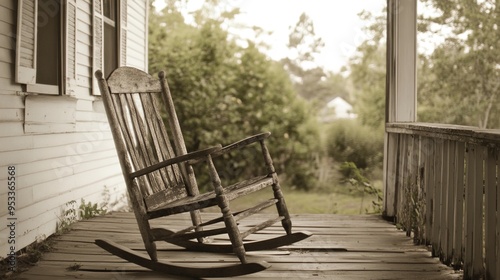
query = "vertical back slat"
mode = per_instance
[
  {"x": 128, "y": 136},
  {"x": 162, "y": 145},
  {"x": 141, "y": 137},
  {"x": 154, "y": 147},
  {"x": 180, "y": 147},
  {"x": 165, "y": 140}
]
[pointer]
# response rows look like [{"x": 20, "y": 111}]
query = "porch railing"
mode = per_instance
[{"x": 445, "y": 192}]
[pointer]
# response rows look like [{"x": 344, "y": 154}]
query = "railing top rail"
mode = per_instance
[{"x": 469, "y": 134}]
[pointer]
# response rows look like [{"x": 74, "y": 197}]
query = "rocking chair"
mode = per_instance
[{"x": 160, "y": 179}]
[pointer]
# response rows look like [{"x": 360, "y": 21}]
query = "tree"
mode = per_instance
[
  {"x": 304, "y": 45},
  {"x": 224, "y": 92},
  {"x": 367, "y": 74},
  {"x": 462, "y": 76}
]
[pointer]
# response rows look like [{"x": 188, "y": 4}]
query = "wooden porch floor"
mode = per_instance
[{"x": 342, "y": 247}]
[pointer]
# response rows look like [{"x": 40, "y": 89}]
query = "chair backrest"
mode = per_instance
[{"x": 134, "y": 103}]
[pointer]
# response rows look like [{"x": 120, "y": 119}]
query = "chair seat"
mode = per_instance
[{"x": 189, "y": 203}]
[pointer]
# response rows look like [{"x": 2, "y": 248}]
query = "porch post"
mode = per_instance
[{"x": 401, "y": 93}]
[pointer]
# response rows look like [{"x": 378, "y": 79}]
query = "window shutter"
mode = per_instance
[
  {"x": 26, "y": 42},
  {"x": 98, "y": 37},
  {"x": 70, "y": 52},
  {"x": 123, "y": 32}
]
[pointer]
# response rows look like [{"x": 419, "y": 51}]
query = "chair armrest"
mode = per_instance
[
  {"x": 198, "y": 155},
  {"x": 242, "y": 143}
]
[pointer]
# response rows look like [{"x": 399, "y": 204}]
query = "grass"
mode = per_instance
[{"x": 301, "y": 202}]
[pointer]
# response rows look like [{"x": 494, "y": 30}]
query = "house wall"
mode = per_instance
[{"x": 61, "y": 146}]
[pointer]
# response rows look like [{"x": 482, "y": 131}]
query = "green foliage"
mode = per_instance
[
  {"x": 459, "y": 81},
  {"x": 348, "y": 141},
  {"x": 224, "y": 92},
  {"x": 368, "y": 74},
  {"x": 361, "y": 184},
  {"x": 68, "y": 216},
  {"x": 310, "y": 80},
  {"x": 89, "y": 210}
]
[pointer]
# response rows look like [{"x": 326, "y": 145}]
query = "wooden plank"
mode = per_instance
[
  {"x": 443, "y": 233},
  {"x": 490, "y": 211},
  {"x": 10, "y": 129},
  {"x": 413, "y": 187},
  {"x": 477, "y": 238},
  {"x": 313, "y": 257},
  {"x": 42, "y": 109},
  {"x": 391, "y": 147},
  {"x": 469, "y": 210},
  {"x": 11, "y": 115},
  {"x": 402, "y": 159},
  {"x": 450, "y": 225},
  {"x": 458, "y": 245},
  {"x": 437, "y": 222},
  {"x": 75, "y": 152},
  {"x": 430, "y": 185},
  {"x": 11, "y": 102},
  {"x": 497, "y": 222}
]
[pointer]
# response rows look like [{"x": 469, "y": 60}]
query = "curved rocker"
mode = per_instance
[
  {"x": 272, "y": 243},
  {"x": 170, "y": 268}
]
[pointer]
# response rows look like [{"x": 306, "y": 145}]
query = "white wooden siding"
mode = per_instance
[
  {"x": 55, "y": 168},
  {"x": 136, "y": 34}
]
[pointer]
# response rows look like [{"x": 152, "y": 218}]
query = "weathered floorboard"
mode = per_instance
[{"x": 342, "y": 247}]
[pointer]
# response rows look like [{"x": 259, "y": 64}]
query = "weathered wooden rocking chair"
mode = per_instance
[{"x": 161, "y": 182}]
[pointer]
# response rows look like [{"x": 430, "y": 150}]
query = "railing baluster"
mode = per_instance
[
  {"x": 459, "y": 205},
  {"x": 400, "y": 179},
  {"x": 451, "y": 186},
  {"x": 436, "y": 246},
  {"x": 490, "y": 211},
  {"x": 429, "y": 183},
  {"x": 477, "y": 257},
  {"x": 469, "y": 210},
  {"x": 497, "y": 223},
  {"x": 411, "y": 188},
  {"x": 443, "y": 233}
]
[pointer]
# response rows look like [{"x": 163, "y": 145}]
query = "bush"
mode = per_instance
[{"x": 349, "y": 141}]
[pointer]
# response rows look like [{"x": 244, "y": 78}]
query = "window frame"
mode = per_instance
[{"x": 26, "y": 48}]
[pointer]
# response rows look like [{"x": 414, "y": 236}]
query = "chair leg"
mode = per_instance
[
  {"x": 232, "y": 228},
  {"x": 281, "y": 205},
  {"x": 229, "y": 221},
  {"x": 278, "y": 194},
  {"x": 149, "y": 244},
  {"x": 196, "y": 220}
]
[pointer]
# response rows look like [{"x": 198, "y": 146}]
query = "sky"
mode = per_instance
[{"x": 335, "y": 21}]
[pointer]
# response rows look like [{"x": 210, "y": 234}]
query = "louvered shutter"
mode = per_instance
[
  {"x": 26, "y": 41},
  {"x": 70, "y": 37},
  {"x": 123, "y": 33},
  {"x": 98, "y": 42}
]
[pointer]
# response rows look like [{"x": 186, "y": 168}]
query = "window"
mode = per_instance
[
  {"x": 109, "y": 36},
  {"x": 45, "y": 52},
  {"x": 48, "y": 50}
]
